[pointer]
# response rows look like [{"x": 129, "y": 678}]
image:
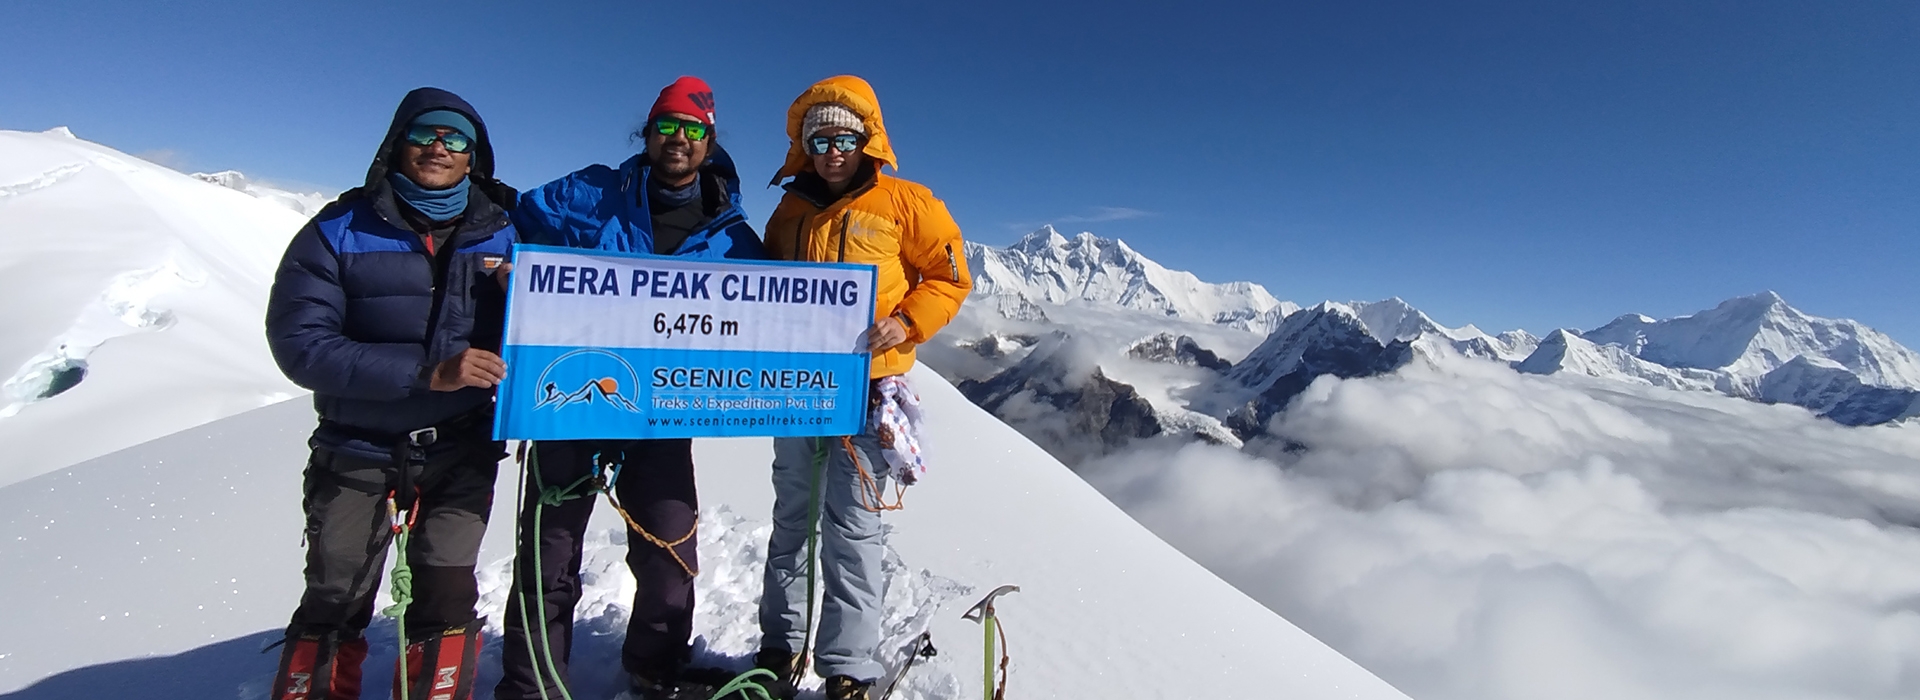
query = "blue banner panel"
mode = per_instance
[{"x": 566, "y": 393}]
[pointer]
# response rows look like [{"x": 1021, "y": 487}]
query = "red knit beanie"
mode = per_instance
[{"x": 688, "y": 95}]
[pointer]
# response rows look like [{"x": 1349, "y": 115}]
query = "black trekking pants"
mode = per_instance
[
  {"x": 348, "y": 531},
  {"x": 656, "y": 486}
]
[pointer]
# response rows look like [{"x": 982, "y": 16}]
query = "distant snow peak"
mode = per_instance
[
  {"x": 1394, "y": 320},
  {"x": 60, "y": 131},
  {"x": 1563, "y": 351},
  {"x": 1046, "y": 267},
  {"x": 1754, "y": 347},
  {"x": 303, "y": 203},
  {"x": 1750, "y": 336}
]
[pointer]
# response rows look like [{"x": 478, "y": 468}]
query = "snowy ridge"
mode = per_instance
[
  {"x": 1395, "y": 320},
  {"x": 304, "y": 203},
  {"x": 1049, "y": 268},
  {"x": 1562, "y": 351},
  {"x": 144, "y": 284}
]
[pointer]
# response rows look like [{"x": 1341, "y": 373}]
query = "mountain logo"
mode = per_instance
[{"x": 587, "y": 377}]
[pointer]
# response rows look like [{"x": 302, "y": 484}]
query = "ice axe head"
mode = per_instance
[{"x": 984, "y": 609}]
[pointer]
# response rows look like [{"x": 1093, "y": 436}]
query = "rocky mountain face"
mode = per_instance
[
  {"x": 1166, "y": 348},
  {"x": 1064, "y": 403}
]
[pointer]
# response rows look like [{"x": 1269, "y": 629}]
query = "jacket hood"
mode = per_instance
[
  {"x": 858, "y": 96},
  {"x": 421, "y": 101}
]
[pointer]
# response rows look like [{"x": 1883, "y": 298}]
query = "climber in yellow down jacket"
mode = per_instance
[{"x": 839, "y": 207}]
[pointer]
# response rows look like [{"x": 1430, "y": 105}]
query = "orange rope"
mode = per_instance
[
  {"x": 1001, "y": 692},
  {"x": 870, "y": 487},
  {"x": 663, "y": 544}
]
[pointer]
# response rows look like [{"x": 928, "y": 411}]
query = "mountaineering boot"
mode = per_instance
[
  {"x": 442, "y": 667},
  {"x": 320, "y": 667},
  {"x": 846, "y": 688},
  {"x": 780, "y": 662},
  {"x": 776, "y": 661},
  {"x": 644, "y": 688}
]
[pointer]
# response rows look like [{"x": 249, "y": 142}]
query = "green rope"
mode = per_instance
[
  {"x": 813, "y": 542},
  {"x": 747, "y": 682},
  {"x": 402, "y": 583},
  {"x": 548, "y": 497}
]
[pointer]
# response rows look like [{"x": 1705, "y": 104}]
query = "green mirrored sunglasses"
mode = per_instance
[{"x": 694, "y": 129}]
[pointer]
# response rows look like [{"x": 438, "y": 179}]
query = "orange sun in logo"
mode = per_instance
[{"x": 608, "y": 385}]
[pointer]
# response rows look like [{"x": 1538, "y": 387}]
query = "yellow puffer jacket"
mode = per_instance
[{"x": 895, "y": 225}]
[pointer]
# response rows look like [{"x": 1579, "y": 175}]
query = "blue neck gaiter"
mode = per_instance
[
  {"x": 661, "y": 198},
  {"x": 439, "y": 205}
]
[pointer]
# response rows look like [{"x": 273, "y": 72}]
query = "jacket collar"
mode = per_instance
[{"x": 812, "y": 188}]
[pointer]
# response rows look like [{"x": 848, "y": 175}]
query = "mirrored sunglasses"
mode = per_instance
[
  {"x": 844, "y": 143},
  {"x": 424, "y": 136},
  {"x": 695, "y": 130}
]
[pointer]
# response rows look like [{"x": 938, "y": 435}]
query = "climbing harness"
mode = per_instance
[
  {"x": 982, "y": 612},
  {"x": 407, "y": 455}
]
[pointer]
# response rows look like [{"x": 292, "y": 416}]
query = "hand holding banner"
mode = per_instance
[{"x": 603, "y": 345}]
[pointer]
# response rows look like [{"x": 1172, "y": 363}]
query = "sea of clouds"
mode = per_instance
[{"x": 1468, "y": 532}]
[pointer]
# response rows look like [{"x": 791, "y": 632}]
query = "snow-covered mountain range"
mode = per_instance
[
  {"x": 1753, "y": 347},
  {"x": 1756, "y": 347},
  {"x": 1046, "y": 267}
]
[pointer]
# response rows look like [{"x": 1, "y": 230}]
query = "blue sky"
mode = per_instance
[{"x": 1508, "y": 164}]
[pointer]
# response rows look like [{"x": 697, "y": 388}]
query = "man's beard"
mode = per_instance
[
  {"x": 676, "y": 163},
  {"x": 678, "y": 169}
]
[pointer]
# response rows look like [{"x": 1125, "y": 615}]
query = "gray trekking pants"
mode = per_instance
[{"x": 850, "y": 549}]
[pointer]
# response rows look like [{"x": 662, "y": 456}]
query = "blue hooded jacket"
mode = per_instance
[
  {"x": 361, "y": 312},
  {"x": 601, "y": 208}
]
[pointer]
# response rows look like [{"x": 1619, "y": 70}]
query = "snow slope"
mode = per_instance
[
  {"x": 164, "y": 568},
  {"x": 150, "y": 282}
]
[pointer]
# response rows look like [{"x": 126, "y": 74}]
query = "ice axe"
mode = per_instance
[{"x": 982, "y": 612}]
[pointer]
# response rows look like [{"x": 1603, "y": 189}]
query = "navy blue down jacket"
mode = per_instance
[{"x": 361, "y": 312}]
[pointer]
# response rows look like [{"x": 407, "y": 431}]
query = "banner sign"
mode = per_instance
[{"x": 603, "y": 345}]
